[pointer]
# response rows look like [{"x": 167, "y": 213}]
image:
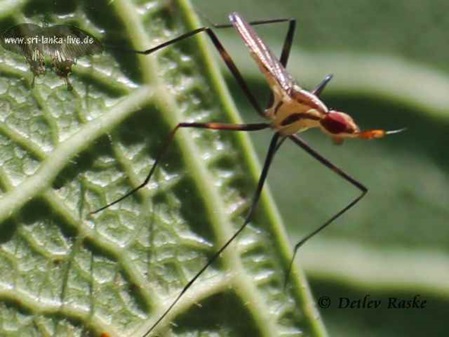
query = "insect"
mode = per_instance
[
  {"x": 58, "y": 46},
  {"x": 292, "y": 110}
]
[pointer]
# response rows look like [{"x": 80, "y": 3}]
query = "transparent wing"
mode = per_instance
[
  {"x": 71, "y": 42},
  {"x": 22, "y": 39},
  {"x": 275, "y": 73}
]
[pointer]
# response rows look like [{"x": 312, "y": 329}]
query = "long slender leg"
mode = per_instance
[
  {"x": 286, "y": 48},
  {"x": 285, "y": 53},
  {"x": 225, "y": 55},
  {"x": 276, "y": 142},
  {"x": 274, "y": 145},
  {"x": 211, "y": 126},
  {"x": 320, "y": 87},
  {"x": 363, "y": 190},
  {"x": 231, "y": 66}
]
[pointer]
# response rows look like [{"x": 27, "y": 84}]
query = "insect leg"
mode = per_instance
[
  {"x": 320, "y": 87},
  {"x": 276, "y": 141},
  {"x": 363, "y": 190},
  {"x": 168, "y": 141}
]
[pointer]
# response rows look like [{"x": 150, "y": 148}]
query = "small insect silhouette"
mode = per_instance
[{"x": 57, "y": 47}]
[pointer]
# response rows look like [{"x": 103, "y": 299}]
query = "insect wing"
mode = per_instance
[
  {"x": 71, "y": 42},
  {"x": 22, "y": 39},
  {"x": 25, "y": 39},
  {"x": 277, "y": 76}
]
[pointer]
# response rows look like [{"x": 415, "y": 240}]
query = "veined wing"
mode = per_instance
[
  {"x": 275, "y": 73},
  {"x": 71, "y": 43},
  {"x": 22, "y": 39}
]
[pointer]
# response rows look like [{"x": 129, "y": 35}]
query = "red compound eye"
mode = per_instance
[{"x": 336, "y": 123}]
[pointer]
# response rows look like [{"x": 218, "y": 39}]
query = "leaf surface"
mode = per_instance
[{"x": 66, "y": 153}]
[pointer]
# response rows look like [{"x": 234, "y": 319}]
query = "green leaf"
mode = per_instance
[{"x": 66, "y": 153}]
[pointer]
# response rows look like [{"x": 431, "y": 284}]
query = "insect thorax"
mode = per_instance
[{"x": 296, "y": 112}]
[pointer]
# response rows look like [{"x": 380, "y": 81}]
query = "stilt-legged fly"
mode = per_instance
[{"x": 292, "y": 110}]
